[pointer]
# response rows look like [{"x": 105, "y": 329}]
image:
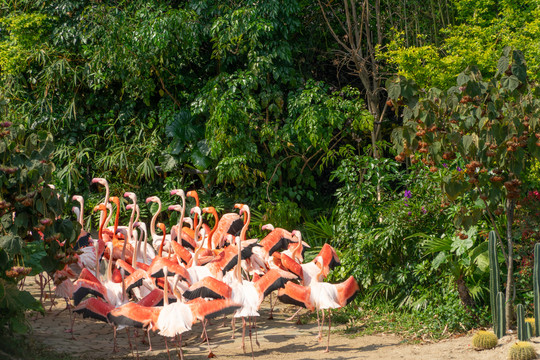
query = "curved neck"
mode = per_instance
[
  {"x": 109, "y": 268},
  {"x": 165, "y": 288},
  {"x": 145, "y": 257},
  {"x": 216, "y": 218},
  {"x": 161, "y": 245},
  {"x": 181, "y": 218},
  {"x": 154, "y": 218},
  {"x": 103, "y": 216},
  {"x": 81, "y": 218},
  {"x": 117, "y": 215},
  {"x": 247, "y": 218},
  {"x": 105, "y": 200}
]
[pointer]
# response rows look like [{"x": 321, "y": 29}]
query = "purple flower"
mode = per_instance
[
  {"x": 406, "y": 203},
  {"x": 409, "y": 213},
  {"x": 424, "y": 210},
  {"x": 458, "y": 168},
  {"x": 408, "y": 194},
  {"x": 445, "y": 165}
]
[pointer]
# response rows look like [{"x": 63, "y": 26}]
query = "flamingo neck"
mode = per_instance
[
  {"x": 103, "y": 216},
  {"x": 247, "y": 218},
  {"x": 211, "y": 234},
  {"x": 181, "y": 218},
  {"x": 161, "y": 245},
  {"x": 81, "y": 218},
  {"x": 154, "y": 218},
  {"x": 165, "y": 288},
  {"x": 109, "y": 268},
  {"x": 116, "y": 216}
]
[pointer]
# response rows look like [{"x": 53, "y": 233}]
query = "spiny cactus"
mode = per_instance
[
  {"x": 536, "y": 288},
  {"x": 524, "y": 330},
  {"x": 484, "y": 340},
  {"x": 530, "y": 321},
  {"x": 522, "y": 350}
]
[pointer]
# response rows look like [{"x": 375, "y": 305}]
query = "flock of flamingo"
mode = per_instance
[{"x": 193, "y": 273}]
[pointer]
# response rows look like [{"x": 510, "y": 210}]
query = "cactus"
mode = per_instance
[
  {"x": 494, "y": 280},
  {"x": 530, "y": 322},
  {"x": 484, "y": 340},
  {"x": 536, "y": 288},
  {"x": 500, "y": 316},
  {"x": 524, "y": 333},
  {"x": 522, "y": 350}
]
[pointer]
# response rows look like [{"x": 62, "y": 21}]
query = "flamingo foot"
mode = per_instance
[
  {"x": 271, "y": 317},
  {"x": 211, "y": 355}
]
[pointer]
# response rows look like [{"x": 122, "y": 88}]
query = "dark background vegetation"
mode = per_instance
[{"x": 281, "y": 105}]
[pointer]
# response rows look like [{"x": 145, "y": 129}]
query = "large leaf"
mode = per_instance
[{"x": 12, "y": 244}]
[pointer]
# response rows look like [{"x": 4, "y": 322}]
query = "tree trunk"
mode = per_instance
[
  {"x": 464, "y": 294},
  {"x": 510, "y": 208}
]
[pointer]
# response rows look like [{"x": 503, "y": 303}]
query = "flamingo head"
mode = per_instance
[
  {"x": 100, "y": 181},
  {"x": 238, "y": 206},
  {"x": 175, "y": 208},
  {"x": 209, "y": 209},
  {"x": 196, "y": 210},
  {"x": 152, "y": 199},
  {"x": 268, "y": 227},
  {"x": 178, "y": 192},
  {"x": 189, "y": 221},
  {"x": 162, "y": 227},
  {"x": 193, "y": 194},
  {"x": 132, "y": 196},
  {"x": 297, "y": 234},
  {"x": 130, "y": 207},
  {"x": 140, "y": 225},
  {"x": 100, "y": 207},
  {"x": 76, "y": 211},
  {"x": 244, "y": 209},
  {"x": 78, "y": 198},
  {"x": 115, "y": 200}
]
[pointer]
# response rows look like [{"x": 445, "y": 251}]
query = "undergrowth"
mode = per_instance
[{"x": 430, "y": 324}]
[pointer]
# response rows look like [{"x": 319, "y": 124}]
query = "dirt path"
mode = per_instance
[{"x": 279, "y": 339}]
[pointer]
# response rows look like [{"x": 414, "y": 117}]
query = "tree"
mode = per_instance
[{"x": 487, "y": 125}]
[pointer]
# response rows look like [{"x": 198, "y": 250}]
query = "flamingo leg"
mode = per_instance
[
  {"x": 256, "y": 339},
  {"x": 130, "y": 344},
  {"x": 135, "y": 343},
  {"x": 233, "y": 323},
  {"x": 149, "y": 341},
  {"x": 115, "y": 348},
  {"x": 271, "y": 316},
  {"x": 243, "y": 334},
  {"x": 210, "y": 353},
  {"x": 167, "y": 347},
  {"x": 322, "y": 324},
  {"x": 250, "y": 338},
  {"x": 329, "y": 326},
  {"x": 292, "y": 317},
  {"x": 179, "y": 346}
]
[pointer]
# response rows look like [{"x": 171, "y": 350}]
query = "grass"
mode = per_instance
[{"x": 413, "y": 326}]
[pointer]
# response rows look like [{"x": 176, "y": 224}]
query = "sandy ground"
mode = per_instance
[{"x": 278, "y": 338}]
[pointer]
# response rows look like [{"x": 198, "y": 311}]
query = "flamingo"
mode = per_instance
[
  {"x": 178, "y": 231},
  {"x": 320, "y": 296},
  {"x": 194, "y": 195}
]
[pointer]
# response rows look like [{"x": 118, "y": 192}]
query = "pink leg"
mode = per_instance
[
  {"x": 329, "y": 326},
  {"x": 243, "y": 334}
]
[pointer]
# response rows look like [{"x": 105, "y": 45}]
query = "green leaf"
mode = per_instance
[
  {"x": 502, "y": 64},
  {"x": 462, "y": 79},
  {"x": 466, "y": 141},
  {"x": 439, "y": 259},
  {"x": 12, "y": 244},
  {"x": 510, "y": 82}
]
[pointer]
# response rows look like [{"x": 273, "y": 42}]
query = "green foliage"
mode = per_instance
[
  {"x": 29, "y": 211},
  {"x": 483, "y": 340},
  {"x": 483, "y": 29}
]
